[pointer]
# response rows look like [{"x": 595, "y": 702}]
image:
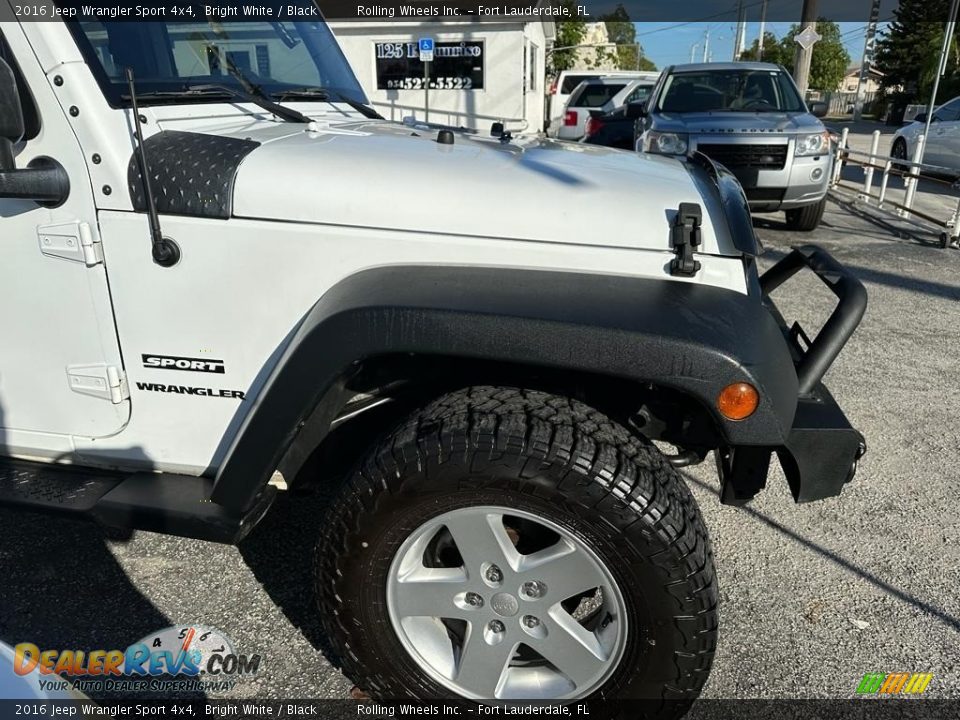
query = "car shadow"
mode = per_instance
[
  {"x": 280, "y": 553},
  {"x": 864, "y": 574},
  {"x": 63, "y": 589}
]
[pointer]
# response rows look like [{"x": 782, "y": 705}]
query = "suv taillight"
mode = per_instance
[
  {"x": 553, "y": 88},
  {"x": 593, "y": 125},
  {"x": 570, "y": 118}
]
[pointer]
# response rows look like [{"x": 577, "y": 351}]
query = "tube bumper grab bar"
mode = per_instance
[{"x": 823, "y": 350}]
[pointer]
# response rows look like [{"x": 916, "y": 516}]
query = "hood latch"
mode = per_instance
[{"x": 685, "y": 238}]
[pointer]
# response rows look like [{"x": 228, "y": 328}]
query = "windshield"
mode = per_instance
[
  {"x": 173, "y": 56},
  {"x": 730, "y": 90}
]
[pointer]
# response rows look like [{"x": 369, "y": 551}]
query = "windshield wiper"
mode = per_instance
[
  {"x": 326, "y": 94},
  {"x": 225, "y": 91},
  {"x": 201, "y": 90},
  {"x": 253, "y": 93}
]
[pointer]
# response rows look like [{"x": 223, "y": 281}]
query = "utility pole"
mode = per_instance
[
  {"x": 706, "y": 44},
  {"x": 741, "y": 30},
  {"x": 763, "y": 27},
  {"x": 693, "y": 51},
  {"x": 867, "y": 60},
  {"x": 801, "y": 63}
]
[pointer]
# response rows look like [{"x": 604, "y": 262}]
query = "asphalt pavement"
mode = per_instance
[{"x": 812, "y": 596}]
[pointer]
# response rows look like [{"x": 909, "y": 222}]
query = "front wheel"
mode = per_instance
[
  {"x": 899, "y": 152},
  {"x": 510, "y": 544},
  {"x": 806, "y": 218}
]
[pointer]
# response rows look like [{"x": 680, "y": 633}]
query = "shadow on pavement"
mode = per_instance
[
  {"x": 280, "y": 552},
  {"x": 890, "y": 279},
  {"x": 902, "y": 595},
  {"x": 62, "y": 589}
]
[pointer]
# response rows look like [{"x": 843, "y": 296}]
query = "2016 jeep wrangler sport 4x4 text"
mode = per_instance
[{"x": 215, "y": 266}]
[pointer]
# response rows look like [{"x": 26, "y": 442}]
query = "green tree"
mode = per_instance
[
  {"x": 830, "y": 59},
  {"x": 569, "y": 34},
  {"x": 623, "y": 33},
  {"x": 774, "y": 51},
  {"x": 908, "y": 51}
]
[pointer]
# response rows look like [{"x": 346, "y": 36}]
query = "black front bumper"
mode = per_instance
[{"x": 822, "y": 449}]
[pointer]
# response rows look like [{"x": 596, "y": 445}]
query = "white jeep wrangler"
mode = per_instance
[{"x": 217, "y": 263}]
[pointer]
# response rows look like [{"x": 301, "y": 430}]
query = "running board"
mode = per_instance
[{"x": 158, "y": 502}]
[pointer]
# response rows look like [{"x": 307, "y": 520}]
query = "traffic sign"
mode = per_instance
[
  {"x": 426, "y": 49},
  {"x": 808, "y": 37}
]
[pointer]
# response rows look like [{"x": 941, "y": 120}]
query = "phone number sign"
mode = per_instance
[{"x": 455, "y": 66}]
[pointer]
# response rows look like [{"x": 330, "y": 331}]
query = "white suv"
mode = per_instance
[
  {"x": 568, "y": 80},
  {"x": 600, "y": 95}
]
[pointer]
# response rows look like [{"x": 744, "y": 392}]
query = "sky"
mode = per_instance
[{"x": 672, "y": 43}]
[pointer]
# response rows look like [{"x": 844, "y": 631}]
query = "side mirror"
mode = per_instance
[
  {"x": 819, "y": 109},
  {"x": 44, "y": 180},
  {"x": 922, "y": 117},
  {"x": 636, "y": 109},
  {"x": 11, "y": 116}
]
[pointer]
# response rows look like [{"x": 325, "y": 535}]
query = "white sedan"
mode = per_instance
[{"x": 943, "y": 143}]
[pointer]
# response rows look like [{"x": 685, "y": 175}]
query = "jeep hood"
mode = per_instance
[
  {"x": 732, "y": 123},
  {"x": 387, "y": 175}
]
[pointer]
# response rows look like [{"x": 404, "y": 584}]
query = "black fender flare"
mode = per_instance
[{"x": 690, "y": 337}]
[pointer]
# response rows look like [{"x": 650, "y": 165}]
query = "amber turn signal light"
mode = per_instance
[{"x": 738, "y": 401}]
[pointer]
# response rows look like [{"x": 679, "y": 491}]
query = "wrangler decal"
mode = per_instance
[{"x": 188, "y": 390}]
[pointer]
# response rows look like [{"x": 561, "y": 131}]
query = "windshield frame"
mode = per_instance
[
  {"x": 116, "y": 91},
  {"x": 783, "y": 81}
]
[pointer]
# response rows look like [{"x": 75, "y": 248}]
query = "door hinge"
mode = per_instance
[
  {"x": 685, "y": 238},
  {"x": 107, "y": 382},
  {"x": 70, "y": 241}
]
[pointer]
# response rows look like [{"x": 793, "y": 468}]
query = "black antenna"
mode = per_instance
[{"x": 166, "y": 252}]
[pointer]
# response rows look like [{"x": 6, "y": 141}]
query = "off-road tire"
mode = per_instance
[
  {"x": 806, "y": 218},
  {"x": 543, "y": 454}
]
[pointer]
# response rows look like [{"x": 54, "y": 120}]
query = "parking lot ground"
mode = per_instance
[
  {"x": 812, "y": 596},
  {"x": 936, "y": 197}
]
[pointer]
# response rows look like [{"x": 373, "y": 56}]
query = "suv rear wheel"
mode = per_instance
[
  {"x": 503, "y": 543},
  {"x": 806, "y": 218}
]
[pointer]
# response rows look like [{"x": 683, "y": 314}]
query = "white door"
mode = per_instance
[
  {"x": 949, "y": 138},
  {"x": 942, "y": 127},
  {"x": 60, "y": 367}
]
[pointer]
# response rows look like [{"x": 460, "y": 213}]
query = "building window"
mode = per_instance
[
  {"x": 532, "y": 68},
  {"x": 263, "y": 60}
]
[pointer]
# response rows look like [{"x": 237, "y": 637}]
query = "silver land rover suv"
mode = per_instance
[{"x": 750, "y": 117}]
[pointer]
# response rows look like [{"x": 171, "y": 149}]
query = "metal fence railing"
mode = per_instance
[
  {"x": 912, "y": 171},
  {"x": 843, "y": 103}
]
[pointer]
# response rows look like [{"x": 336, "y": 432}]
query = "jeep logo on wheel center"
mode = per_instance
[
  {"x": 167, "y": 362},
  {"x": 505, "y": 604}
]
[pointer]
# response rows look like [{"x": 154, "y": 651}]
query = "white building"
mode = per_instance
[
  {"x": 598, "y": 52},
  {"x": 482, "y": 72}
]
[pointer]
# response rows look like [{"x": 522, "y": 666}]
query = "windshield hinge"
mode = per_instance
[
  {"x": 107, "y": 382},
  {"x": 685, "y": 238},
  {"x": 70, "y": 241}
]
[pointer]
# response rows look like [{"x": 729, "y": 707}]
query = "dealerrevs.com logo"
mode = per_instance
[{"x": 182, "y": 658}]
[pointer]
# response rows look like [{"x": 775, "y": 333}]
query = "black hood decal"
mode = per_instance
[{"x": 190, "y": 173}]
